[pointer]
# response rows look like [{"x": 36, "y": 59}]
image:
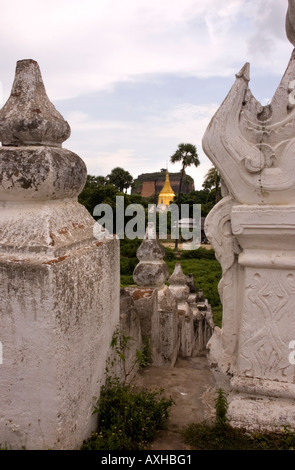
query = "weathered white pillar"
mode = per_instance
[
  {"x": 59, "y": 286},
  {"x": 169, "y": 326},
  {"x": 252, "y": 230},
  {"x": 150, "y": 275},
  {"x": 180, "y": 290}
]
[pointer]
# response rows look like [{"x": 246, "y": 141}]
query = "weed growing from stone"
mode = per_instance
[
  {"x": 144, "y": 356},
  {"x": 221, "y": 407},
  {"x": 120, "y": 344}
]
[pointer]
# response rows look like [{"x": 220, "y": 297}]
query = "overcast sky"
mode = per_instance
[{"x": 134, "y": 78}]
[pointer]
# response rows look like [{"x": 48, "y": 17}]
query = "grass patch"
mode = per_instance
[
  {"x": 217, "y": 315},
  {"x": 201, "y": 263},
  {"x": 127, "y": 280},
  {"x": 207, "y": 274},
  {"x": 219, "y": 437}
]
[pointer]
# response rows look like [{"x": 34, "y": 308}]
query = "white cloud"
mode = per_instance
[
  {"x": 103, "y": 144},
  {"x": 80, "y": 121},
  {"x": 90, "y": 45},
  {"x": 93, "y": 45}
]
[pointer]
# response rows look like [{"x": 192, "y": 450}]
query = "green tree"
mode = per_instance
[
  {"x": 212, "y": 182},
  {"x": 120, "y": 178},
  {"x": 95, "y": 181},
  {"x": 186, "y": 154}
]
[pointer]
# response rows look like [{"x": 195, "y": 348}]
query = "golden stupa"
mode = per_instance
[{"x": 167, "y": 194}]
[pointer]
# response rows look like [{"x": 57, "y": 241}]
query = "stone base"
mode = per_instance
[
  {"x": 260, "y": 413},
  {"x": 261, "y": 405},
  {"x": 57, "y": 319}
]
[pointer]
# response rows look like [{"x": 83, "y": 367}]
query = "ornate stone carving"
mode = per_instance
[
  {"x": 219, "y": 233},
  {"x": 251, "y": 144},
  {"x": 253, "y": 231},
  {"x": 268, "y": 314}
]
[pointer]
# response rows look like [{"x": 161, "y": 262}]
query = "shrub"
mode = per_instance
[
  {"x": 169, "y": 254},
  {"x": 207, "y": 274},
  {"x": 128, "y": 248},
  {"x": 126, "y": 280},
  {"x": 127, "y": 265},
  {"x": 128, "y": 418},
  {"x": 221, "y": 407},
  {"x": 200, "y": 253}
]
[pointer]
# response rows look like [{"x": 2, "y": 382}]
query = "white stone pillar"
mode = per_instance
[
  {"x": 179, "y": 288},
  {"x": 150, "y": 275},
  {"x": 59, "y": 286},
  {"x": 267, "y": 324},
  {"x": 252, "y": 230}
]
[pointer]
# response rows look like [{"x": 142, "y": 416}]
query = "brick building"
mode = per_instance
[{"x": 151, "y": 184}]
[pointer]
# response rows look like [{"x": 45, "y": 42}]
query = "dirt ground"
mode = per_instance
[{"x": 193, "y": 388}]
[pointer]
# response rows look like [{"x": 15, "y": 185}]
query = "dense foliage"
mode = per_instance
[
  {"x": 98, "y": 190},
  {"x": 120, "y": 178}
]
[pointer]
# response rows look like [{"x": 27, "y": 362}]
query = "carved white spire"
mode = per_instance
[
  {"x": 252, "y": 145},
  {"x": 252, "y": 231},
  {"x": 151, "y": 270},
  {"x": 39, "y": 180},
  {"x": 28, "y": 117},
  {"x": 290, "y": 22}
]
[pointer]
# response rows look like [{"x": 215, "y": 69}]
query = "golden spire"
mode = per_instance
[{"x": 167, "y": 194}]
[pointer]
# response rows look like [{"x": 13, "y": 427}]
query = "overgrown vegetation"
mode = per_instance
[
  {"x": 101, "y": 189},
  {"x": 221, "y": 436},
  {"x": 128, "y": 417}
]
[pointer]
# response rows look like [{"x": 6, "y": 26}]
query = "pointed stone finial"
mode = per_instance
[
  {"x": 178, "y": 277},
  {"x": 290, "y": 22},
  {"x": 151, "y": 271},
  {"x": 244, "y": 72},
  {"x": 150, "y": 249},
  {"x": 33, "y": 165},
  {"x": 39, "y": 175},
  {"x": 178, "y": 284},
  {"x": 28, "y": 117}
]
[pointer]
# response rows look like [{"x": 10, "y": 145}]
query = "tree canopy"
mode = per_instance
[
  {"x": 212, "y": 182},
  {"x": 120, "y": 178},
  {"x": 186, "y": 154}
]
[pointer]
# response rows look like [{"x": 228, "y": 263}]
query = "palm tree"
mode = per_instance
[
  {"x": 120, "y": 178},
  {"x": 186, "y": 154},
  {"x": 213, "y": 180}
]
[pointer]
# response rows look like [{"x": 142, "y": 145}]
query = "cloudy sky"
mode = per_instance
[{"x": 134, "y": 78}]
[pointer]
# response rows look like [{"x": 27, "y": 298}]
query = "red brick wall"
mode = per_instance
[{"x": 148, "y": 188}]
